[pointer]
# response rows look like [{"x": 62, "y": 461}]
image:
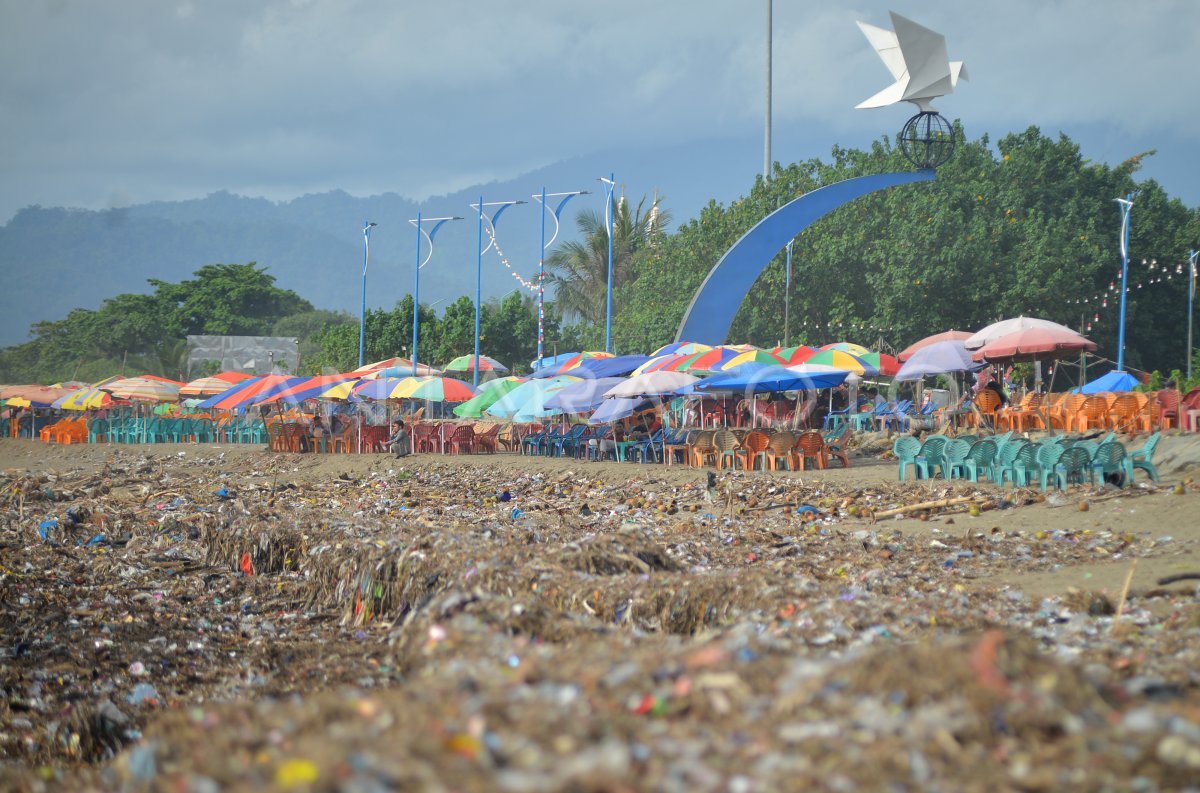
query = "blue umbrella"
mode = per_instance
[
  {"x": 1114, "y": 381},
  {"x": 618, "y": 366},
  {"x": 768, "y": 379},
  {"x": 581, "y": 397},
  {"x": 617, "y": 408},
  {"x": 943, "y": 357}
]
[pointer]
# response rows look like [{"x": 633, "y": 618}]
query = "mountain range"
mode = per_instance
[{"x": 56, "y": 259}]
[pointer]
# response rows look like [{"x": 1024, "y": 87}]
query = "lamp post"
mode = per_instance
[
  {"x": 419, "y": 223},
  {"x": 557, "y": 213},
  {"x": 787, "y": 293},
  {"x": 362, "y": 315},
  {"x": 1191, "y": 299},
  {"x": 1126, "y": 204},
  {"x": 610, "y": 185},
  {"x": 492, "y": 219}
]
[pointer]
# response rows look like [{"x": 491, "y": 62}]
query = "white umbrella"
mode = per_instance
[
  {"x": 651, "y": 384},
  {"x": 1007, "y": 326}
]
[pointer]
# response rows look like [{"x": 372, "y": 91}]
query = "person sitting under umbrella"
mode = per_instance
[{"x": 399, "y": 443}]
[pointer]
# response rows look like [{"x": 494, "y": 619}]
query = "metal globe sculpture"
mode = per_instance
[{"x": 927, "y": 140}]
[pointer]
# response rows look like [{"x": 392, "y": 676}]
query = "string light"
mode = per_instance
[{"x": 504, "y": 259}]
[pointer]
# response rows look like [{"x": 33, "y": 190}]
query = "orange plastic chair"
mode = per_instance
[
  {"x": 754, "y": 444},
  {"x": 779, "y": 447},
  {"x": 986, "y": 402},
  {"x": 1124, "y": 415},
  {"x": 1093, "y": 413},
  {"x": 810, "y": 446},
  {"x": 702, "y": 448}
]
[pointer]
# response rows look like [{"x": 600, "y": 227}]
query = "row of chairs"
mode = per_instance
[{"x": 1010, "y": 457}]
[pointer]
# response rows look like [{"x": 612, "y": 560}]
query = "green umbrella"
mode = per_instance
[{"x": 490, "y": 394}]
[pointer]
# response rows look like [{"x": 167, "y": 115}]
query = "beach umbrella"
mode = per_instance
[
  {"x": 245, "y": 392},
  {"x": 681, "y": 348},
  {"x": 651, "y": 384},
  {"x": 303, "y": 388},
  {"x": 210, "y": 386},
  {"x": 404, "y": 364},
  {"x": 885, "y": 364},
  {"x": 616, "y": 409},
  {"x": 92, "y": 398},
  {"x": 708, "y": 361},
  {"x": 771, "y": 379},
  {"x": 1007, "y": 327},
  {"x": 942, "y": 357},
  {"x": 619, "y": 366},
  {"x": 434, "y": 389},
  {"x": 753, "y": 356},
  {"x": 1113, "y": 382},
  {"x": 527, "y": 402},
  {"x": 657, "y": 362},
  {"x": 564, "y": 363},
  {"x": 1033, "y": 343},
  {"x": 144, "y": 389},
  {"x": 489, "y": 394},
  {"x": 467, "y": 363},
  {"x": 839, "y": 359},
  {"x": 846, "y": 346},
  {"x": 582, "y": 397},
  {"x": 794, "y": 355},
  {"x": 949, "y": 335},
  {"x": 34, "y": 395}
]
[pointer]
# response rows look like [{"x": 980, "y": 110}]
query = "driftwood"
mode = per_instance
[
  {"x": 1171, "y": 579},
  {"x": 945, "y": 502}
]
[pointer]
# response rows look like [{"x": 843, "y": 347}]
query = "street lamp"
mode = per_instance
[
  {"x": 557, "y": 213},
  {"x": 787, "y": 292},
  {"x": 1191, "y": 299},
  {"x": 491, "y": 218},
  {"x": 419, "y": 224},
  {"x": 1126, "y": 204},
  {"x": 610, "y": 184},
  {"x": 362, "y": 315}
]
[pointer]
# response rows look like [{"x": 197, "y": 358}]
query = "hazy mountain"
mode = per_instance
[{"x": 55, "y": 260}]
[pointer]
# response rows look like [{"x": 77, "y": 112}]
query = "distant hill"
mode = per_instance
[{"x": 54, "y": 260}]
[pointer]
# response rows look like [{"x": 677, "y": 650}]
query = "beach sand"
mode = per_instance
[{"x": 407, "y": 626}]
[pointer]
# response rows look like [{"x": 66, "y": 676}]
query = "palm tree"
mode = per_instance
[{"x": 578, "y": 270}]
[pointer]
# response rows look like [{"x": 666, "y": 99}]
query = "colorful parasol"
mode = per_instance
[
  {"x": 144, "y": 389},
  {"x": 467, "y": 363},
  {"x": 949, "y": 335},
  {"x": 842, "y": 360},
  {"x": 489, "y": 394}
]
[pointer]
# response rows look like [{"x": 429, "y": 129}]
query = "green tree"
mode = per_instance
[{"x": 578, "y": 269}]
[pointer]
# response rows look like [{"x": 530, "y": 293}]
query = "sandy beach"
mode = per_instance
[{"x": 202, "y": 617}]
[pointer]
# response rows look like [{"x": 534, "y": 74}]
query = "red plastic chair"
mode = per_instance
[{"x": 462, "y": 441}]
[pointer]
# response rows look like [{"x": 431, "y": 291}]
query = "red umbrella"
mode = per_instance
[
  {"x": 950, "y": 335},
  {"x": 1034, "y": 343}
]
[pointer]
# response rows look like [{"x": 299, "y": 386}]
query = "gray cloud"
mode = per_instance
[{"x": 146, "y": 99}]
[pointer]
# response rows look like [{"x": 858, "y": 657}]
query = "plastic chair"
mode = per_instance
[
  {"x": 1006, "y": 455},
  {"x": 835, "y": 445},
  {"x": 565, "y": 443},
  {"x": 1168, "y": 401},
  {"x": 1092, "y": 414},
  {"x": 906, "y": 448},
  {"x": 753, "y": 447},
  {"x": 1141, "y": 458},
  {"x": 462, "y": 441},
  {"x": 703, "y": 447},
  {"x": 1047, "y": 460},
  {"x": 979, "y": 459},
  {"x": 929, "y": 459},
  {"x": 1110, "y": 458},
  {"x": 677, "y": 442},
  {"x": 727, "y": 446},
  {"x": 1072, "y": 467},
  {"x": 954, "y": 459},
  {"x": 810, "y": 445},
  {"x": 1023, "y": 466}
]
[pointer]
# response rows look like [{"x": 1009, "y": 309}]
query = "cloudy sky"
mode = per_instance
[{"x": 105, "y": 104}]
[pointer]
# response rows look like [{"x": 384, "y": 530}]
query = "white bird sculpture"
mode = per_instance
[{"x": 916, "y": 57}]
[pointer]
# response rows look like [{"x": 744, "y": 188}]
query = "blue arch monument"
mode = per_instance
[{"x": 710, "y": 314}]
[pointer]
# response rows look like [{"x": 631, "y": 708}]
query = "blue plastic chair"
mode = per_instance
[{"x": 906, "y": 448}]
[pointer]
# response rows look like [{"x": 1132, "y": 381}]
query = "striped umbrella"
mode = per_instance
[
  {"x": 754, "y": 356},
  {"x": 565, "y": 365},
  {"x": 843, "y": 360},
  {"x": 681, "y": 348},
  {"x": 404, "y": 364},
  {"x": 466, "y": 363},
  {"x": 434, "y": 389},
  {"x": 304, "y": 388},
  {"x": 209, "y": 386},
  {"x": 708, "y": 361},
  {"x": 657, "y": 362},
  {"x": 887, "y": 365},
  {"x": 242, "y": 394},
  {"x": 144, "y": 389},
  {"x": 489, "y": 394},
  {"x": 794, "y": 355},
  {"x": 846, "y": 346}
]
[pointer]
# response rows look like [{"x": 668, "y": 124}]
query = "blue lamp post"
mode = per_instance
[
  {"x": 362, "y": 314},
  {"x": 610, "y": 184},
  {"x": 1191, "y": 299},
  {"x": 557, "y": 214},
  {"x": 419, "y": 223},
  {"x": 1126, "y": 204},
  {"x": 492, "y": 218}
]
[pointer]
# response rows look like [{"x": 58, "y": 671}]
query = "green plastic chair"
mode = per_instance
[
  {"x": 1110, "y": 458},
  {"x": 97, "y": 430},
  {"x": 979, "y": 460},
  {"x": 1005, "y": 455},
  {"x": 1141, "y": 458},
  {"x": 1072, "y": 467},
  {"x": 1024, "y": 465},
  {"x": 1048, "y": 457},
  {"x": 930, "y": 458},
  {"x": 906, "y": 448},
  {"x": 203, "y": 430},
  {"x": 954, "y": 459}
]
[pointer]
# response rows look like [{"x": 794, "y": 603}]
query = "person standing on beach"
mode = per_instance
[{"x": 399, "y": 443}]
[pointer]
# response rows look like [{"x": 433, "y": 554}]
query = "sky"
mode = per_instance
[{"x": 109, "y": 104}]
